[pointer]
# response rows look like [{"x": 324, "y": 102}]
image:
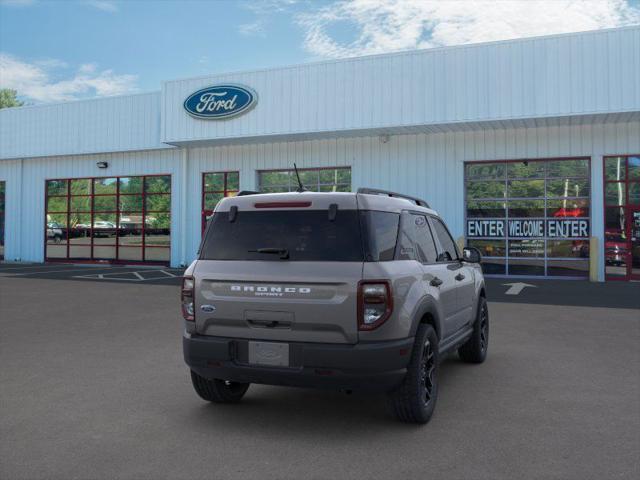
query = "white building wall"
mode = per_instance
[
  {"x": 547, "y": 77},
  {"x": 99, "y": 125}
]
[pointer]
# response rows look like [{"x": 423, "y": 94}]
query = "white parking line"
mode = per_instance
[
  {"x": 120, "y": 276},
  {"x": 15, "y": 274}
]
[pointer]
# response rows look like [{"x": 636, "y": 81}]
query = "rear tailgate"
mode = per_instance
[{"x": 278, "y": 300}]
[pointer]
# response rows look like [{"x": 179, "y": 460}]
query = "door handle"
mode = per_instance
[
  {"x": 459, "y": 277},
  {"x": 436, "y": 282}
]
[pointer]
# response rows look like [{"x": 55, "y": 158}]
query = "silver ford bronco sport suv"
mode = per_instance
[{"x": 350, "y": 291}]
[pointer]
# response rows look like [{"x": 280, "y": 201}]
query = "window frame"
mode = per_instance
[
  {"x": 91, "y": 213},
  {"x": 225, "y": 193},
  {"x": 506, "y": 178}
]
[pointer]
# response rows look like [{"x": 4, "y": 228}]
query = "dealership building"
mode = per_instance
[{"x": 529, "y": 149}]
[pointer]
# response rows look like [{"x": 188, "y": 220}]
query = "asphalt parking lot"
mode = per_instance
[{"x": 92, "y": 385}]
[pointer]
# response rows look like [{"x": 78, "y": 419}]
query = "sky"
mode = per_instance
[{"x": 59, "y": 50}]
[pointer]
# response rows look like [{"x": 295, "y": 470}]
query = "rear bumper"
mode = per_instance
[{"x": 375, "y": 366}]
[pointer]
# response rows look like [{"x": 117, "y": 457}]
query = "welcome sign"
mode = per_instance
[
  {"x": 220, "y": 101},
  {"x": 525, "y": 228}
]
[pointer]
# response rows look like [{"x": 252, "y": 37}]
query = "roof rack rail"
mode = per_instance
[
  {"x": 375, "y": 191},
  {"x": 243, "y": 193}
]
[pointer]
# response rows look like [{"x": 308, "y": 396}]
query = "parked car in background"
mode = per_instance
[{"x": 54, "y": 232}]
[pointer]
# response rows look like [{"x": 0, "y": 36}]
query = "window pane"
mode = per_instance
[
  {"x": 526, "y": 248},
  {"x": 104, "y": 221},
  {"x": 80, "y": 204},
  {"x": 614, "y": 168},
  {"x": 271, "y": 179},
  {"x": 306, "y": 235},
  {"x": 614, "y": 220},
  {"x": 131, "y": 184},
  {"x": 633, "y": 168},
  {"x": 479, "y": 209},
  {"x": 211, "y": 200},
  {"x": 567, "y": 188},
  {"x": 344, "y": 176},
  {"x": 526, "y": 267},
  {"x": 56, "y": 187},
  {"x": 158, "y": 237},
  {"x": 343, "y": 188},
  {"x": 158, "y": 184},
  {"x": 214, "y": 182},
  {"x": 79, "y": 252},
  {"x": 568, "y": 168},
  {"x": 81, "y": 186},
  {"x": 526, "y": 188},
  {"x": 485, "y": 171},
  {"x": 158, "y": 203},
  {"x": 614, "y": 193},
  {"x": 57, "y": 204},
  {"x": 56, "y": 250},
  {"x": 450, "y": 252},
  {"x": 104, "y": 204},
  {"x": 526, "y": 169},
  {"x": 56, "y": 233},
  {"x": 309, "y": 178},
  {"x": 381, "y": 229},
  {"x": 157, "y": 254},
  {"x": 568, "y": 248},
  {"x": 158, "y": 221},
  {"x": 568, "y": 268},
  {"x": 58, "y": 219},
  {"x": 567, "y": 208},
  {"x": 130, "y": 253},
  {"x": 526, "y": 208},
  {"x": 233, "y": 181},
  {"x": 423, "y": 238},
  {"x": 634, "y": 193},
  {"x": 493, "y": 266},
  {"x": 131, "y": 203},
  {"x": 104, "y": 252},
  {"x": 130, "y": 237},
  {"x": 487, "y": 189},
  {"x": 105, "y": 185},
  {"x": 489, "y": 248}
]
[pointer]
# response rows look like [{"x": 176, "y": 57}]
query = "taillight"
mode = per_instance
[
  {"x": 186, "y": 297},
  {"x": 375, "y": 303}
]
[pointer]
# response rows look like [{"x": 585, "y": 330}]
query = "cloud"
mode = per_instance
[
  {"x": 252, "y": 29},
  {"x": 104, "y": 5},
  {"x": 389, "y": 25},
  {"x": 36, "y": 81}
]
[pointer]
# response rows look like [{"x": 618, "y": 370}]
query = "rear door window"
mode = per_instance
[
  {"x": 306, "y": 235},
  {"x": 449, "y": 250},
  {"x": 416, "y": 241}
]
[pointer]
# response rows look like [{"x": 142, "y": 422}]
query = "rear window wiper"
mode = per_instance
[{"x": 283, "y": 252}]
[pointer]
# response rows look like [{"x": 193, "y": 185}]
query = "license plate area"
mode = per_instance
[{"x": 269, "y": 353}]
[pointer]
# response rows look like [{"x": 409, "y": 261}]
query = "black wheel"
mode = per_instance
[
  {"x": 57, "y": 239},
  {"x": 218, "y": 391},
  {"x": 474, "y": 350},
  {"x": 415, "y": 399}
]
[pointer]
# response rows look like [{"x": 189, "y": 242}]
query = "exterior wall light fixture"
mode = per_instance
[{"x": 102, "y": 164}]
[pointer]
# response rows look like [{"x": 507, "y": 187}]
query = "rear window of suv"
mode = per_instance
[{"x": 306, "y": 235}]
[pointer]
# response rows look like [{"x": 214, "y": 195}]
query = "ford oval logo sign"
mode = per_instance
[{"x": 220, "y": 101}]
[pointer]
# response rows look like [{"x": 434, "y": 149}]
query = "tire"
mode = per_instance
[
  {"x": 474, "y": 350},
  {"x": 415, "y": 399},
  {"x": 218, "y": 391}
]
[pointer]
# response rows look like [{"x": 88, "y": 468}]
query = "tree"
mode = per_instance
[{"x": 8, "y": 98}]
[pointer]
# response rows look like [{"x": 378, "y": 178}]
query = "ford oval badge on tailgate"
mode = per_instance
[{"x": 219, "y": 102}]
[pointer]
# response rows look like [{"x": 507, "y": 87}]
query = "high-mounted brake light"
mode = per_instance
[
  {"x": 186, "y": 298},
  {"x": 282, "y": 204},
  {"x": 375, "y": 303}
]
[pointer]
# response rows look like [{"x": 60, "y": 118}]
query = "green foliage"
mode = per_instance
[{"x": 8, "y": 98}]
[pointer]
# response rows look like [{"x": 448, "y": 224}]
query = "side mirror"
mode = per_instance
[{"x": 471, "y": 255}]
